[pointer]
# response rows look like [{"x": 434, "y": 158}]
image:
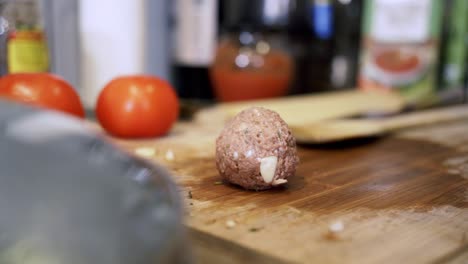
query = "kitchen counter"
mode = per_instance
[{"x": 402, "y": 198}]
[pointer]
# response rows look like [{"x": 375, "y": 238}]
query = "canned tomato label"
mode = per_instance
[
  {"x": 399, "y": 47},
  {"x": 27, "y": 51}
]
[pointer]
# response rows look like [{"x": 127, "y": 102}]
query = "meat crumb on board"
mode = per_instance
[{"x": 230, "y": 224}]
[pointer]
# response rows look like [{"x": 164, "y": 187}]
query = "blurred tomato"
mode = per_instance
[
  {"x": 43, "y": 90},
  {"x": 137, "y": 106}
]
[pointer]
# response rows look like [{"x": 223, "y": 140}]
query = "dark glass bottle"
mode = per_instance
[
  {"x": 452, "y": 52},
  {"x": 325, "y": 37},
  {"x": 196, "y": 31},
  {"x": 347, "y": 36}
]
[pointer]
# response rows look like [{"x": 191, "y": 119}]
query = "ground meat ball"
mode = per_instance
[{"x": 256, "y": 150}]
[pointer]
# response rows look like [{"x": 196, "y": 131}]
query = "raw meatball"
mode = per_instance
[{"x": 256, "y": 150}]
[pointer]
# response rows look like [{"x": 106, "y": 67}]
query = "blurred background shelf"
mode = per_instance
[{"x": 189, "y": 42}]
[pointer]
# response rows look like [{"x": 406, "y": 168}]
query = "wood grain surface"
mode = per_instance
[{"x": 399, "y": 199}]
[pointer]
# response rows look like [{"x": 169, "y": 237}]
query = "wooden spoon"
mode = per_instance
[
  {"x": 297, "y": 110},
  {"x": 342, "y": 129}
]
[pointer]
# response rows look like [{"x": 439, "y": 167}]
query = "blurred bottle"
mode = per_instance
[
  {"x": 347, "y": 38},
  {"x": 325, "y": 37},
  {"x": 196, "y": 30},
  {"x": 26, "y": 41},
  {"x": 252, "y": 60},
  {"x": 453, "y": 52},
  {"x": 466, "y": 67}
]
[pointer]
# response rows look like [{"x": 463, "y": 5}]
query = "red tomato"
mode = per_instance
[
  {"x": 43, "y": 90},
  {"x": 137, "y": 106}
]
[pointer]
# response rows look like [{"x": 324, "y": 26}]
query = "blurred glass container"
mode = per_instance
[
  {"x": 68, "y": 196},
  {"x": 252, "y": 60},
  {"x": 251, "y": 66},
  {"x": 26, "y": 47}
]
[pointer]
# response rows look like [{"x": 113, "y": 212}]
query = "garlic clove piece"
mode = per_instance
[{"x": 268, "y": 168}]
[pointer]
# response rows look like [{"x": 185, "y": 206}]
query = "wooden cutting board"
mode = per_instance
[{"x": 402, "y": 199}]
